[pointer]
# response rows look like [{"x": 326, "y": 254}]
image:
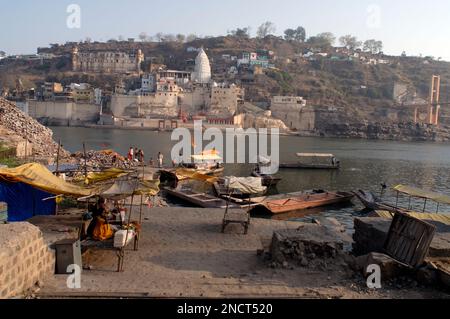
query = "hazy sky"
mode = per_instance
[{"x": 403, "y": 25}]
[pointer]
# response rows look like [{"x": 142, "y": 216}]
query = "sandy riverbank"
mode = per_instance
[{"x": 183, "y": 254}]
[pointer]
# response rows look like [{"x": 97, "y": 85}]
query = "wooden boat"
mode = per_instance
[
  {"x": 198, "y": 199},
  {"x": 307, "y": 166},
  {"x": 301, "y": 201},
  {"x": 313, "y": 161}
]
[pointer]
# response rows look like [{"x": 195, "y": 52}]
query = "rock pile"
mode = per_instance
[
  {"x": 103, "y": 159},
  {"x": 24, "y": 126},
  {"x": 310, "y": 246}
]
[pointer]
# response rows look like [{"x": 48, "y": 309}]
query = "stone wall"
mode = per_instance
[
  {"x": 64, "y": 112},
  {"x": 163, "y": 104},
  {"x": 25, "y": 259}
]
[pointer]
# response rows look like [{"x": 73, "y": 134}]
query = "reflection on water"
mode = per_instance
[{"x": 365, "y": 164}]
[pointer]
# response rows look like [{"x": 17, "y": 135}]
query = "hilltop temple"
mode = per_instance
[
  {"x": 169, "y": 93},
  {"x": 202, "y": 71}
]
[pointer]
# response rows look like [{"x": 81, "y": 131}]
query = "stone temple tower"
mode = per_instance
[{"x": 202, "y": 71}]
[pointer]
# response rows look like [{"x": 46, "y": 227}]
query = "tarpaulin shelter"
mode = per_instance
[
  {"x": 246, "y": 185},
  {"x": 24, "y": 189},
  {"x": 122, "y": 189}
]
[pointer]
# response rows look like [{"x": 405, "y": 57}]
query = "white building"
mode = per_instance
[{"x": 202, "y": 71}]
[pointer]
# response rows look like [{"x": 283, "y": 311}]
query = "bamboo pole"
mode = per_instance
[
  {"x": 85, "y": 161},
  {"x": 57, "y": 158}
]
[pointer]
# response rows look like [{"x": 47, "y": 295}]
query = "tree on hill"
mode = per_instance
[
  {"x": 159, "y": 36},
  {"x": 266, "y": 29},
  {"x": 191, "y": 37},
  {"x": 241, "y": 33},
  {"x": 298, "y": 34},
  {"x": 143, "y": 36},
  {"x": 181, "y": 38},
  {"x": 373, "y": 46},
  {"x": 325, "y": 39},
  {"x": 350, "y": 42}
]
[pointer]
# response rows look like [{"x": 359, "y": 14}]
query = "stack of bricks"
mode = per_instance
[{"x": 25, "y": 259}]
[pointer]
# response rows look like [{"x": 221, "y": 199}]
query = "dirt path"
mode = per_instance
[{"x": 183, "y": 254}]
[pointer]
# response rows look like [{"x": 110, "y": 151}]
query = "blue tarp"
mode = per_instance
[{"x": 25, "y": 201}]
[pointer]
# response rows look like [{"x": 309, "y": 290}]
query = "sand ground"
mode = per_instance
[{"x": 183, "y": 254}]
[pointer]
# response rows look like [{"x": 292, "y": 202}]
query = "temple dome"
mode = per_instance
[{"x": 202, "y": 71}]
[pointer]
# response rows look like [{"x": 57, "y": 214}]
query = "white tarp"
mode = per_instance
[{"x": 246, "y": 185}]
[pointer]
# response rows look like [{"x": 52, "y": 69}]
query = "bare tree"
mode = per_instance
[
  {"x": 159, "y": 36},
  {"x": 265, "y": 29},
  {"x": 143, "y": 36}
]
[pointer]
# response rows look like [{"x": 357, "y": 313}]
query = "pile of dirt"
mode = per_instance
[{"x": 14, "y": 120}]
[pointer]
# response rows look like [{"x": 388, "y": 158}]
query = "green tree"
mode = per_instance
[
  {"x": 241, "y": 33},
  {"x": 298, "y": 34},
  {"x": 325, "y": 39},
  {"x": 373, "y": 46},
  {"x": 350, "y": 42},
  {"x": 181, "y": 38}
]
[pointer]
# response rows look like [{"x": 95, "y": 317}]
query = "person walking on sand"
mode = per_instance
[{"x": 160, "y": 159}]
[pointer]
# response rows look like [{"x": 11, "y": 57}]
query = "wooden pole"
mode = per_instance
[
  {"x": 437, "y": 209},
  {"x": 425, "y": 205},
  {"x": 57, "y": 159},
  {"x": 85, "y": 161},
  {"x": 396, "y": 202},
  {"x": 142, "y": 196}
]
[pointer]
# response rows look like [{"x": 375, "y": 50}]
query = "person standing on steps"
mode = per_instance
[{"x": 160, "y": 159}]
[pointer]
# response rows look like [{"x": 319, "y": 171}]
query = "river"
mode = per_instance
[{"x": 366, "y": 164}]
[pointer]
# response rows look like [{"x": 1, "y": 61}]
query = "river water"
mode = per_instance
[{"x": 366, "y": 164}]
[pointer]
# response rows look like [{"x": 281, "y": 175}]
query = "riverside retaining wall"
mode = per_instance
[{"x": 25, "y": 259}]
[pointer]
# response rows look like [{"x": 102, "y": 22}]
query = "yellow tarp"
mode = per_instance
[
  {"x": 40, "y": 177},
  {"x": 95, "y": 177},
  {"x": 417, "y": 192},
  {"x": 445, "y": 219},
  {"x": 183, "y": 174}
]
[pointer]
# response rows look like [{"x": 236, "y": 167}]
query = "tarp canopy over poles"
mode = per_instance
[
  {"x": 420, "y": 193},
  {"x": 122, "y": 189},
  {"x": 38, "y": 176}
]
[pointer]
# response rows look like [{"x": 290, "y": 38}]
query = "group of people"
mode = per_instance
[{"x": 138, "y": 156}]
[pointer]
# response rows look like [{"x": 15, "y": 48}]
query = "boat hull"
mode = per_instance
[
  {"x": 303, "y": 202},
  {"x": 305, "y": 166}
]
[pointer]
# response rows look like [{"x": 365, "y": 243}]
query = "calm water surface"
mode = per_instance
[{"x": 365, "y": 164}]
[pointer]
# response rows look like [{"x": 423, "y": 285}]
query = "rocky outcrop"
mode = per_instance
[
  {"x": 20, "y": 124},
  {"x": 386, "y": 131}
]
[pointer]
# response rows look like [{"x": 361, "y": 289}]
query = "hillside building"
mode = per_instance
[
  {"x": 294, "y": 112},
  {"x": 106, "y": 61}
]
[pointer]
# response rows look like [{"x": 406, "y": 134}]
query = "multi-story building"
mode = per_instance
[
  {"x": 107, "y": 61},
  {"x": 293, "y": 111}
]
